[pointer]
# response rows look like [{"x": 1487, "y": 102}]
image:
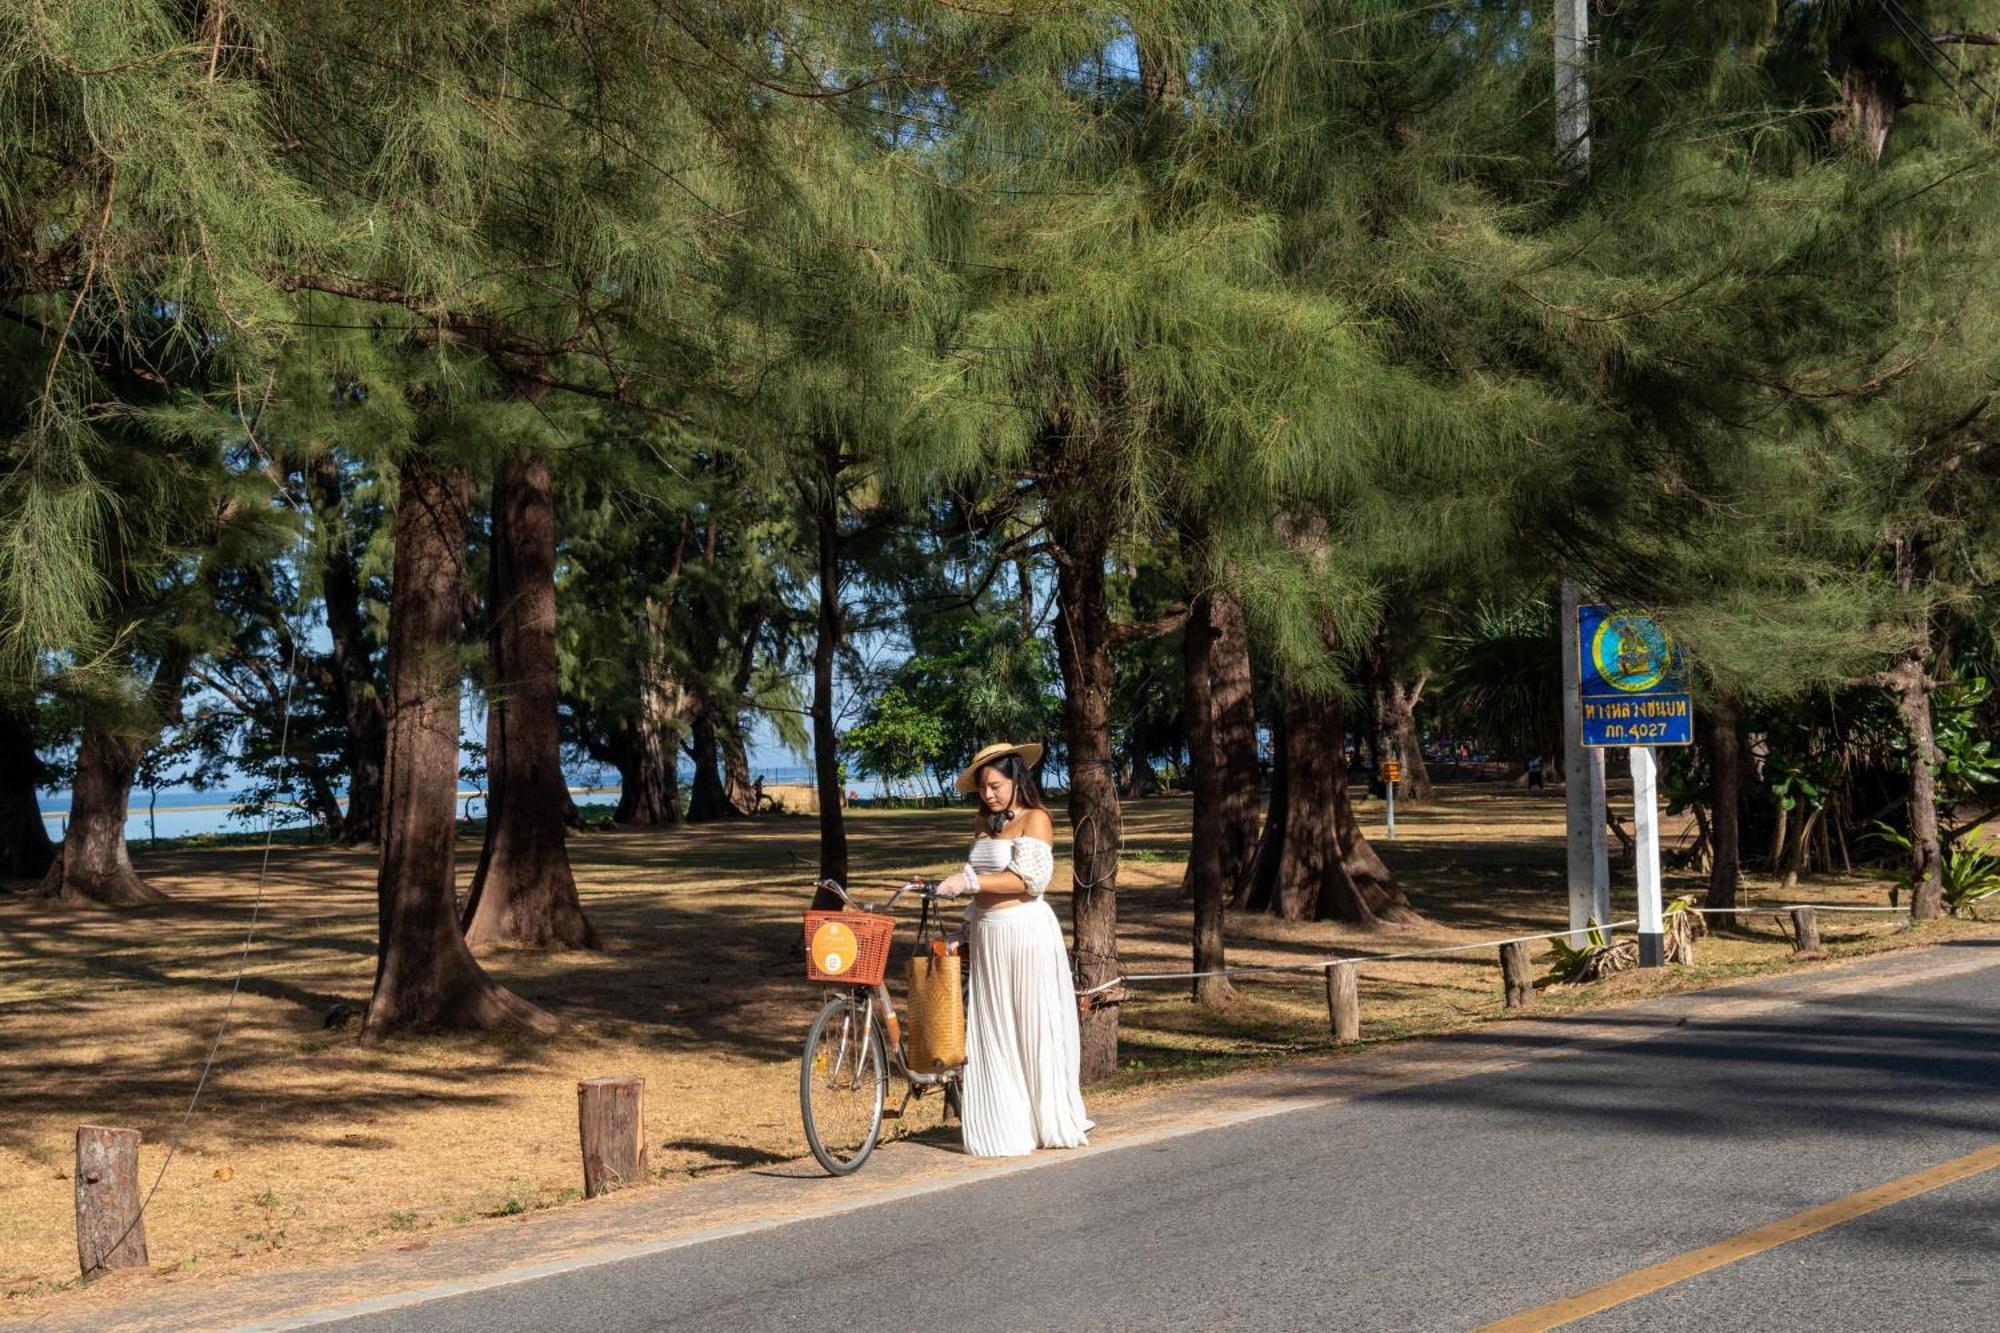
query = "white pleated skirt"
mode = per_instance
[{"x": 1021, "y": 1087}]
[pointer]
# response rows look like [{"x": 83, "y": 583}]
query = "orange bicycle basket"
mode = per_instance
[{"x": 848, "y": 948}]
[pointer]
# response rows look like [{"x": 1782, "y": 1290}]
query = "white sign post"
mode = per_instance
[
  {"x": 1583, "y": 790},
  {"x": 1646, "y": 851},
  {"x": 1600, "y": 850}
]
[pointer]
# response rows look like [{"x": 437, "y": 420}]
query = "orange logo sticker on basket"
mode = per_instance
[{"x": 834, "y": 948}]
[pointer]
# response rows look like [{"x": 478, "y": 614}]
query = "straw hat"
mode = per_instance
[{"x": 1030, "y": 755}]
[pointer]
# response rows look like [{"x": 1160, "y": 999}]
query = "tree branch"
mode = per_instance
[
  {"x": 1149, "y": 629},
  {"x": 527, "y": 358}
]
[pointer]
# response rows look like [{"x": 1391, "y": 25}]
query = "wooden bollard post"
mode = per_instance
[
  {"x": 1805, "y": 933},
  {"x": 1518, "y": 981},
  {"x": 611, "y": 1120},
  {"x": 1343, "y": 1003},
  {"x": 110, "y": 1231}
]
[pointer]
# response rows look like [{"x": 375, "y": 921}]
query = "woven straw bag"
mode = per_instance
[{"x": 937, "y": 1011}]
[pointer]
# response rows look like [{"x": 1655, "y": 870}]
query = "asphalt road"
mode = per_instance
[{"x": 1440, "y": 1207}]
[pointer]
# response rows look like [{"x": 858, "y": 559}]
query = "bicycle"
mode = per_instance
[{"x": 845, "y": 1069}]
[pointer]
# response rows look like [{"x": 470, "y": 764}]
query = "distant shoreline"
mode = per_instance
[
  {"x": 803, "y": 796},
  {"x": 138, "y": 809}
]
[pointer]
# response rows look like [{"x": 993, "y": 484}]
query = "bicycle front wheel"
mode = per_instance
[{"x": 843, "y": 1080}]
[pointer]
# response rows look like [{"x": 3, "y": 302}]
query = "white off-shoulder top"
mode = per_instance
[{"x": 1030, "y": 858}]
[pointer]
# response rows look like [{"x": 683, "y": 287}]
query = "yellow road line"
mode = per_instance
[{"x": 1681, "y": 1267}]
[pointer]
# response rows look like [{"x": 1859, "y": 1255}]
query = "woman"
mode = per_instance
[{"x": 1020, "y": 1090}]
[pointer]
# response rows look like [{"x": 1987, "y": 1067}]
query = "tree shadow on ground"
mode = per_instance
[{"x": 107, "y": 1015}]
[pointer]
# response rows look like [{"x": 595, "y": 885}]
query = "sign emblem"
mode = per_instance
[
  {"x": 1631, "y": 653},
  {"x": 834, "y": 948}
]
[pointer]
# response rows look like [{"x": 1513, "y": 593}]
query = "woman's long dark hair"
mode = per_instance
[{"x": 1026, "y": 795}]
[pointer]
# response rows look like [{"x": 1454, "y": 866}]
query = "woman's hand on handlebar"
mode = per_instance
[{"x": 954, "y": 885}]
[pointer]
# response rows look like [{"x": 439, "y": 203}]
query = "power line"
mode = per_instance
[{"x": 1928, "y": 50}]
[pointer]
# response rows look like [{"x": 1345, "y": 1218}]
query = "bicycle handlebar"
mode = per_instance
[{"x": 927, "y": 887}]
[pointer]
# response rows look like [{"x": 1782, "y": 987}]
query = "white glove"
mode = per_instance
[{"x": 959, "y": 883}]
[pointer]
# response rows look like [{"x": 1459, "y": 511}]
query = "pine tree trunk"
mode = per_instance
[
  {"x": 524, "y": 893},
  {"x": 356, "y": 698},
  {"x": 425, "y": 976},
  {"x": 1323, "y": 867},
  {"x": 1795, "y": 856},
  {"x": 25, "y": 849},
  {"x": 737, "y": 793},
  {"x": 1140, "y": 779},
  {"x": 1208, "y": 781},
  {"x": 648, "y": 752},
  {"x": 706, "y": 798},
  {"x": 93, "y": 864},
  {"x": 1393, "y": 730},
  {"x": 1400, "y": 729},
  {"x": 1363, "y": 866},
  {"x": 1309, "y": 852},
  {"x": 1258, "y": 882},
  {"x": 1234, "y": 694},
  {"x": 826, "y": 744},
  {"x": 1778, "y": 835},
  {"x": 1910, "y": 685},
  {"x": 1024, "y": 578},
  {"x": 1083, "y": 648},
  {"x": 648, "y": 790},
  {"x": 322, "y": 799},
  {"x": 1725, "y": 800}
]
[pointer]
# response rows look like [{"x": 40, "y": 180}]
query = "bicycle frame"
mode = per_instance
[{"x": 869, "y": 997}]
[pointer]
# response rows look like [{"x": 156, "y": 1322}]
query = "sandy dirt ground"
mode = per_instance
[{"x": 304, "y": 1143}]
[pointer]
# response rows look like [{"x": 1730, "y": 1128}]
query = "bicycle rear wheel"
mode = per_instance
[{"x": 843, "y": 1080}]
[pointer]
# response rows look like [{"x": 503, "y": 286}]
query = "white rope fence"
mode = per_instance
[
  {"x": 1788, "y": 907},
  {"x": 1323, "y": 964},
  {"x": 1137, "y": 978}
]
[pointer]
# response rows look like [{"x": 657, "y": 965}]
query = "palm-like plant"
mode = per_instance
[{"x": 1596, "y": 958}]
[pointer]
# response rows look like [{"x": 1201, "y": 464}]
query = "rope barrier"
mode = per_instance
[
  {"x": 1442, "y": 950},
  {"x": 256, "y": 904},
  {"x": 1324, "y": 964},
  {"x": 1787, "y": 907}
]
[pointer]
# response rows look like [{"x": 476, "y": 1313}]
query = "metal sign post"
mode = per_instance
[
  {"x": 1392, "y": 774},
  {"x": 1632, "y": 687}
]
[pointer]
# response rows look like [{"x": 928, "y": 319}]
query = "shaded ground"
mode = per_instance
[{"x": 305, "y": 1143}]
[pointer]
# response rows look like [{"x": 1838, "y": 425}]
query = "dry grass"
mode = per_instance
[{"x": 306, "y": 1143}]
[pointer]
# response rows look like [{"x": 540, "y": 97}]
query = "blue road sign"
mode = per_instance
[{"x": 1634, "y": 680}]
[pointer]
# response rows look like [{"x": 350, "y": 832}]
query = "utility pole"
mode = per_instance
[
  {"x": 1583, "y": 770},
  {"x": 1583, "y": 786},
  {"x": 1573, "y": 85}
]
